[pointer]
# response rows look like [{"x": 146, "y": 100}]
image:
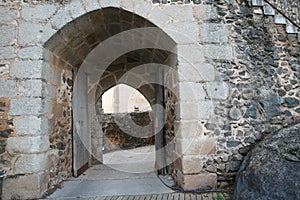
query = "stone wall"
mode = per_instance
[
  {"x": 61, "y": 138},
  {"x": 262, "y": 80},
  {"x": 169, "y": 132},
  {"x": 6, "y": 131},
  {"x": 26, "y": 144},
  {"x": 264, "y": 86},
  {"x": 169, "y": 138},
  {"x": 7, "y": 89},
  {"x": 127, "y": 130}
]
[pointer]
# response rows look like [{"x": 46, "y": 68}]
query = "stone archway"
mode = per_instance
[
  {"x": 133, "y": 68},
  {"x": 139, "y": 69},
  {"x": 68, "y": 34}
]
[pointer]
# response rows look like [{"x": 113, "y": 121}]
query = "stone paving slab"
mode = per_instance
[
  {"x": 90, "y": 188},
  {"x": 106, "y": 182},
  {"x": 106, "y": 172},
  {"x": 168, "y": 196}
]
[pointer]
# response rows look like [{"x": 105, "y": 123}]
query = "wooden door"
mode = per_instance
[
  {"x": 80, "y": 125},
  {"x": 159, "y": 119}
]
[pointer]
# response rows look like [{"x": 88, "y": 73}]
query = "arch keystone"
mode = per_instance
[
  {"x": 89, "y": 6},
  {"x": 143, "y": 8},
  {"x": 158, "y": 17},
  {"x": 75, "y": 9},
  {"x": 60, "y": 19},
  {"x": 110, "y": 3},
  {"x": 128, "y": 5}
]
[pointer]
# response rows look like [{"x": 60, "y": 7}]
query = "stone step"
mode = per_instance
[
  {"x": 258, "y": 3},
  {"x": 258, "y": 11},
  {"x": 279, "y": 19},
  {"x": 262, "y": 8},
  {"x": 268, "y": 10},
  {"x": 291, "y": 29}
]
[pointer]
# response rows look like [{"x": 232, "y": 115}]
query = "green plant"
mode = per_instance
[{"x": 219, "y": 196}]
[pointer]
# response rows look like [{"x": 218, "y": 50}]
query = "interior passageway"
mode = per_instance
[{"x": 125, "y": 172}]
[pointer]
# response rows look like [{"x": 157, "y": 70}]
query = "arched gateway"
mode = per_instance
[{"x": 90, "y": 47}]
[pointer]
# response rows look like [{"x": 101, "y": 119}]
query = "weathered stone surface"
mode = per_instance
[
  {"x": 30, "y": 106},
  {"x": 191, "y": 92},
  {"x": 31, "y": 163},
  {"x": 7, "y": 53},
  {"x": 188, "y": 129},
  {"x": 190, "y": 54},
  {"x": 203, "y": 181},
  {"x": 143, "y": 8},
  {"x": 190, "y": 72},
  {"x": 195, "y": 111},
  {"x": 186, "y": 111},
  {"x": 213, "y": 33},
  {"x": 7, "y": 15},
  {"x": 29, "y": 187},
  {"x": 196, "y": 146},
  {"x": 53, "y": 156},
  {"x": 60, "y": 19},
  {"x": 205, "y": 109},
  {"x": 7, "y": 33},
  {"x": 291, "y": 102},
  {"x": 291, "y": 29},
  {"x": 37, "y": 12},
  {"x": 271, "y": 105},
  {"x": 268, "y": 10},
  {"x": 90, "y": 5},
  {"x": 48, "y": 32},
  {"x": 205, "y": 12},
  {"x": 251, "y": 112},
  {"x": 191, "y": 164},
  {"x": 75, "y": 9},
  {"x": 233, "y": 143},
  {"x": 53, "y": 75},
  {"x": 27, "y": 69},
  {"x": 217, "y": 90},
  {"x": 31, "y": 52},
  {"x": 271, "y": 169},
  {"x": 233, "y": 166},
  {"x": 257, "y": 2},
  {"x": 156, "y": 16},
  {"x": 108, "y": 3},
  {"x": 219, "y": 52},
  {"x": 34, "y": 144},
  {"x": 248, "y": 93},
  {"x": 32, "y": 125},
  {"x": 8, "y": 88},
  {"x": 178, "y": 13},
  {"x": 128, "y": 5},
  {"x": 30, "y": 33},
  {"x": 183, "y": 32},
  {"x": 235, "y": 114},
  {"x": 279, "y": 19},
  {"x": 32, "y": 88}
]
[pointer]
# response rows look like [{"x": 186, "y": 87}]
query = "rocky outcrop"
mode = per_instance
[{"x": 272, "y": 169}]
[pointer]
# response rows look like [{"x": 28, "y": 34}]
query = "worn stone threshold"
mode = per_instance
[{"x": 167, "y": 196}]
